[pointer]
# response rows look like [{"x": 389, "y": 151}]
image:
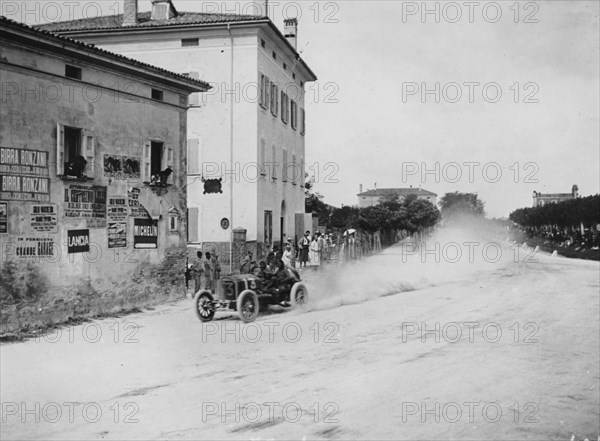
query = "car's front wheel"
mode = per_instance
[
  {"x": 204, "y": 308},
  {"x": 248, "y": 306},
  {"x": 298, "y": 295}
]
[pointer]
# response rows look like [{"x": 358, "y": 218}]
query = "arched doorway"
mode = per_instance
[{"x": 282, "y": 226}]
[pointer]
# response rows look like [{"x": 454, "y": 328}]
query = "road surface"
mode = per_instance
[{"x": 398, "y": 346}]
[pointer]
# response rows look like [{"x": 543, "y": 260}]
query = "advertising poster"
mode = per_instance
[
  {"x": 135, "y": 208},
  {"x": 24, "y": 175},
  {"x": 117, "y": 209},
  {"x": 44, "y": 218},
  {"x": 86, "y": 202},
  {"x": 145, "y": 233},
  {"x": 3, "y": 217},
  {"x": 122, "y": 167},
  {"x": 78, "y": 241},
  {"x": 34, "y": 247},
  {"x": 117, "y": 235}
]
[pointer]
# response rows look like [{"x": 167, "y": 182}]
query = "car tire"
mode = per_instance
[
  {"x": 298, "y": 295},
  {"x": 203, "y": 306},
  {"x": 248, "y": 306}
]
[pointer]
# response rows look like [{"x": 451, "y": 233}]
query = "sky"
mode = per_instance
[{"x": 494, "y": 98}]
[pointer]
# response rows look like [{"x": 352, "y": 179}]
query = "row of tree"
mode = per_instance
[
  {"x": 563, "y": 214},
  {"x": 392, "y": 213}
]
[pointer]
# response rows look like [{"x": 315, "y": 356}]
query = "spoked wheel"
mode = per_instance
[
  {"x": 298, "y": 295},
  {"x": 204, "y": 307},
  {"x": 248, "y": 306}
]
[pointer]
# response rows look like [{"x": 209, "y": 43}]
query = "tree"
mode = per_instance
[
  {"x": 375, "y": 218},
  {"x": 422, "y": 213},
  {"x": 461, "y": 204},
  {"x": 345, "y": 217}
]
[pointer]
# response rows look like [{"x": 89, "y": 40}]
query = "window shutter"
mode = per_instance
[
  {"x": 267, "y": 92},
  {"x": 294, "y": 115},
  {"x": 262, "y": 90},
  {"x": 284, "y": 166},
  {"x": 274, "y": 165},
  {"x": 263, "y": 157},
  {"x": 146, "y": 172},
  {"x": 60, "y": 150},
  {"x": 192, "y": 225},
  {"x": 89, "y": 152},
  {"x": 193, "y": 156},
  {"x": 302, "y": 121},
  {"x": 168, "y": 160},
  {"x": 294, "y": 170}
]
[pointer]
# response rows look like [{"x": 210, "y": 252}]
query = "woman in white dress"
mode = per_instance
[{"x": 314, "y": 257}]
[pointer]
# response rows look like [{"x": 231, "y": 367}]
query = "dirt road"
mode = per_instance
[{"x": 395, "y": 347}]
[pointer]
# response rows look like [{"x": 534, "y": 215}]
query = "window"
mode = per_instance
[
  {"x": 262, "y": 43},
  {"x": 274, "y": 55},
  {"x": 265, "y": 86},
  {"x": 157, "y": 157},
  {"x": 186, "y": 42},
  {"x": 274, "y": 163},
  {"x": 294, "y": 119},
  {"x": 157, "y": 94},
  {"x": 268, "y": 227},
  {"x": 75, "y": 152},
  {"x": 302, "y": 121},
  {"x": 173, "y": 220},
  {"x": 284, "y": 166},
  {"x": 73, "y": 72},
  {"x": 274, "y": 99},
  {"x": 285, "y": 109},
  {"x": 284, "y": 66},
  {"x": 294, "y": 76},
  {"x": 263, "y": 158},
  {"x": 192, "y": 224}
]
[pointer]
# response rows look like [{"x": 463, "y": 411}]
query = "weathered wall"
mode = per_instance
[{"x": 121, "y": 124}]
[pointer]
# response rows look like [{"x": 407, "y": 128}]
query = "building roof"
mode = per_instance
[
  {"x": 114, "y": 23},
  {"x": 15, "y": 31},
  {"x": 397, "y": 191}
]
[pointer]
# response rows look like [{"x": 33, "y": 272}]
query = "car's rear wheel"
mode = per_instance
[
  {"x": 248, "y": 306},
  {"x": 204, "y": 308},
  {"x": 298, "y": 295}
]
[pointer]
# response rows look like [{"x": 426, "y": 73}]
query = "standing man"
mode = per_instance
[
  {"x": 303, "y": 245},
  {"x": 196, "y": 271},
  {"x": 208, "y": 273}
]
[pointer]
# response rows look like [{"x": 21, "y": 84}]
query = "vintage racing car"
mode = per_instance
[{"x": 248, "y": 294}]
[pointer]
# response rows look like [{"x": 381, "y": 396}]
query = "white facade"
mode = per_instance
[{"x": 245, "y": 146}]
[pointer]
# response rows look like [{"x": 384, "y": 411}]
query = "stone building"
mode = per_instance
[
  {"x": 247, "y": 135},
  {"x": 540, "y": 199},
  {"x": 92, "y": 160},
  {"x": 370, "y": 198}
]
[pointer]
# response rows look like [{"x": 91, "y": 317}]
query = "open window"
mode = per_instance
[
  {"x": 157, "y": 159},
  {"x": 75, "y": 152}
]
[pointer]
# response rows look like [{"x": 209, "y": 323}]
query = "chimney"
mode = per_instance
[
  {"x": 162, "y": 10},
  {"x": 290, "y": 31},
  {"x": 360, "y": 188},
  {"x": 130, "y": 10},
  {"x": 259, "y": 8}
]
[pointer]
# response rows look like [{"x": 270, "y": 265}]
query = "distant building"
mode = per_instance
[
  {"x": 540, "y": 199},
  {"x": 79, "y": 156},
  {"x": 370, "y": 198},
  {"x": 246, "y": 154}
]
